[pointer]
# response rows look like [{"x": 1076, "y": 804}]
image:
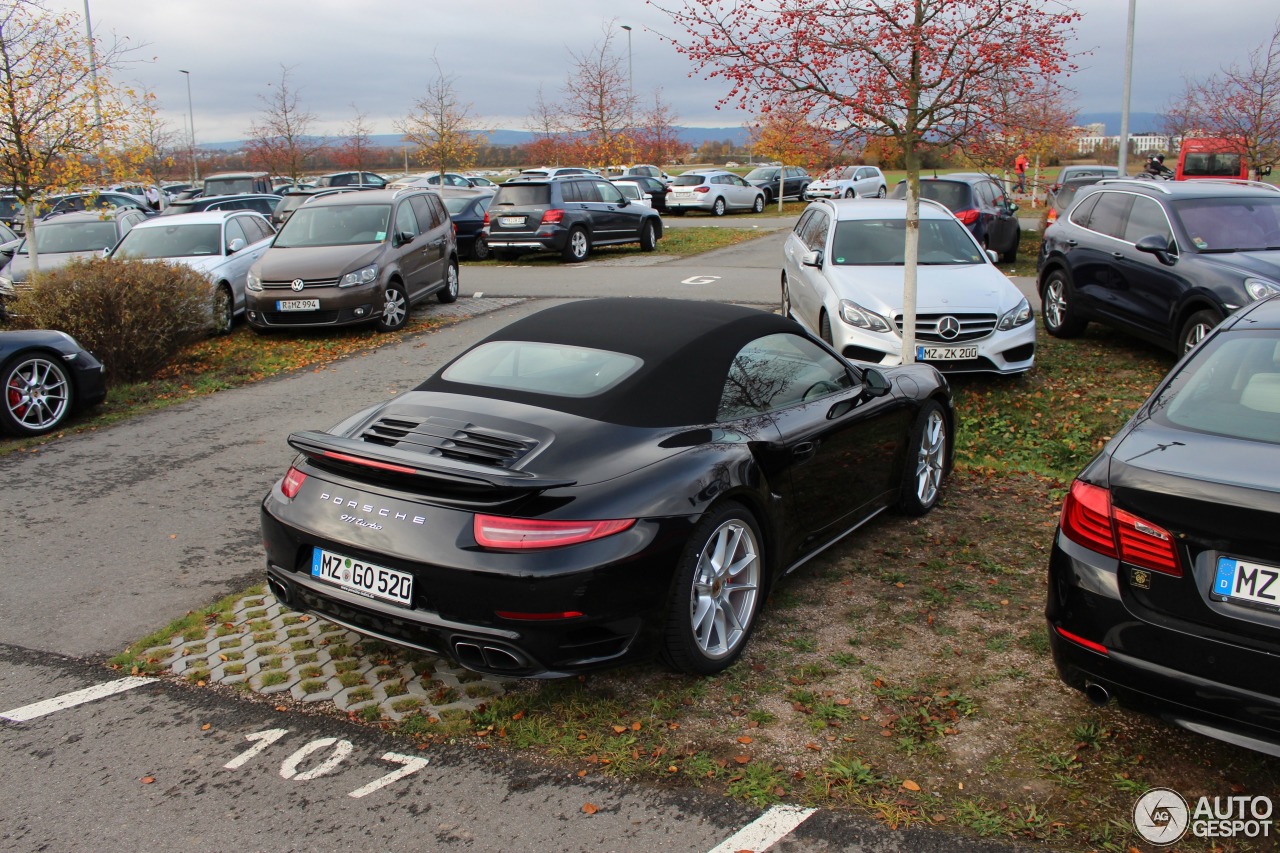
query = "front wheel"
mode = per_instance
[
  {"x": 1059, "y": 320},
  {"x": 824, "y": 329},
  {"x": 1196, "y": 329},
  {"x": 758, "y": 205},
  {"x": 716, "y": 592},
  {"x": 881, "y": 193},
  {"x": 850, "y": 193},
  {"x": 224, "y": 309},
  {"x": 786, "y": 298},
  {"x": 926, "y": 463},
  {"x": 577, "y": 247},
  {"x": 450, "y": 291},
  {"x": 395, "y": 308},
  {"x": 37, "y": 395}
]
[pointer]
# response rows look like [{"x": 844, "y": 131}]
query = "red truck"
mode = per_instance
[{"x": 1211, "y": 158}]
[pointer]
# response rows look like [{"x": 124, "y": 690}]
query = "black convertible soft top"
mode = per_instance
[{"x": 686, "y": 347}]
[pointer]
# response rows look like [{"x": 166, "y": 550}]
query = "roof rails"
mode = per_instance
[
  {"x": 1152, "y": 184},
  {"x": 1240, "y": 182}
]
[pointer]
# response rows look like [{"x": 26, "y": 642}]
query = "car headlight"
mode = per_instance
[
  {"x": 855, "y": 315},
  {"x": 1258, "y": 288},
  {"x": 368, "y": 275},
  {"x": 253, "y": 282},
  {"x": 1019, "y": 316}
]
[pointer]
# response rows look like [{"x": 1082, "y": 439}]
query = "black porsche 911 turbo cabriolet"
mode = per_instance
[{"x": 601, "y": 480}]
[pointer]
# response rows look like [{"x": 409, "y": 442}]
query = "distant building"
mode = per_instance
[{"x": 1139, "y": 143}]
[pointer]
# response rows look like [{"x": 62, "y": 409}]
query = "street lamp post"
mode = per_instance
[
  {"x": 631, "y": 80},
  {"x": 191, "y": 114},
  {"x": 97, "y": 95},
  {"x": 1123, "y": 161}
]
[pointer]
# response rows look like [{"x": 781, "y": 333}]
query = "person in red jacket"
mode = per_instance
[{"x": 1020, "y": 167}]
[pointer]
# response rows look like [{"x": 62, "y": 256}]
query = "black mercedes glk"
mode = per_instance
[
  {"x": 1164, "y": 579},
  {"x": 1162, "y": 260}
]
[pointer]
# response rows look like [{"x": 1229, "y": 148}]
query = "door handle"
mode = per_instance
[
  {"x": 1118, "y": 255},
  {"x": 1073, "y": 242},
  {"x": 804, "y": 450}
]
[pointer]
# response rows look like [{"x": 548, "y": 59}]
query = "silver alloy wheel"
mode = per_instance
[
  {"x": 931, "y": 458},
  {"x": 1197, "y": 333},
  {"x": 578, "y": 244},
  {"x": 881, "y": 193},
  {"x": 725, "y": 585},
  {"x": 1055, "y": 302},
  {"x": 451, "y": 287},
  {"x": 37, "y": 394},
  {"x": 394, "y": 309},
  {"x": 786, "y": 298}
]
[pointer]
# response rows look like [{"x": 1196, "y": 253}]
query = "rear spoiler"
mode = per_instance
[{"x": 323, "y": 447}]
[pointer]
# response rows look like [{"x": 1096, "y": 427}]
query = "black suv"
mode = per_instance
[
  {"x": 568, "y": 215},
  {"x": 980, "y": 202},
  {"x": 1163, "y": 260},
  {"x": 795, "y": 181}
]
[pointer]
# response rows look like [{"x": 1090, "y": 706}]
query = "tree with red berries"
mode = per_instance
[{"x": 923, "y": 72}]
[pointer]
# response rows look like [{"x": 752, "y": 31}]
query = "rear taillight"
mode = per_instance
[
  {"x": 292, "y": 482},
  {"x": 968, "y": 217},
  {"x": 552, "y": 217},
  {"x": 702, "y": 189},
  {"x": 521, "y": 534},
  {"x": 1089, "y": 519},
  {"x": 486, "y": 219},
  {"x": 1051, "y": 217}
]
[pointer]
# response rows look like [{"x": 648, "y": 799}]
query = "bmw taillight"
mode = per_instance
[
  {"x": 552, "y": 217},
  {"x": 1089, "y": 519},
  {"x": 292, "y": 482},
  {"x": 968, "y": 217},
  {"x": 522, "y": 534}
]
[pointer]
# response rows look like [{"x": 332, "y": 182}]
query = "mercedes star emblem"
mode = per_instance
[{"x": 948, "y": 327}]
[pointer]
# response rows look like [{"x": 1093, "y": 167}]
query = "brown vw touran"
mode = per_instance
[{"x": 355, "y": 258}]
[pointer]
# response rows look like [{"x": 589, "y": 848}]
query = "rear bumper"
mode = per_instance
[{"x": 1217, "y": 688}]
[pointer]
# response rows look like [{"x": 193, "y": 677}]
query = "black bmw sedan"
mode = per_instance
[
  {"x": 601, "y": 480},
  {"x": 1164, "y": 579}
]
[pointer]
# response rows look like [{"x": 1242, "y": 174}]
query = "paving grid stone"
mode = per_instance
[{"x": 313, "y": 660}]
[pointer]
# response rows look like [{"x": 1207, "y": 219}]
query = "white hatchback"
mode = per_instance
[{"x": 843, "y": 279}]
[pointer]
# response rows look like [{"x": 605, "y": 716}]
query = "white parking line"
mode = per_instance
[
  {"x": 70, "y": 700},
  {"x": 765, "y": 830}
]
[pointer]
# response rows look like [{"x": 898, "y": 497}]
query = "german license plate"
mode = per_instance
[
  {"x": 1242, "y": 580},
  {"x": 363, "y": 578},
  {"x": 946, "y": 353},
  {"x": 511, "y": 221},
  {"x": 297, "y": 304}
]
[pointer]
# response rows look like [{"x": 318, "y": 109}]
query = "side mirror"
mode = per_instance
[
  {"x": 993, "y": 255},
  {"x": 236, "y": 245},
  {"x": 1264, "y": 171},
  {"x": 401, "y": 238},
  {"x": 874, "y": 383},
  {"x": 1012, "y": 207},
  {"x": 812, "y": 259},
  {"x": 1154, "y": 244}
]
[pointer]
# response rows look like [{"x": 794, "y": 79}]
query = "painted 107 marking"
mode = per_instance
[{"x": 340, "y": 750}]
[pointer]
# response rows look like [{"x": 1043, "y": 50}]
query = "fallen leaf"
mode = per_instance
[
  {"x": 147, "y": 780},
  {"x": 619, "y": 729},
  {"x": 518, "y": 715},
  {"x": 842, "y": 701},
  {"x": 910, "y": 786},
  {"x": 635, "y": 727},
  {"x": 220, "y": 657},
  {"x": 590, "y": 808},
  {"x": 673, "y": 769},
  {"x": 206, "y": 727},
  {"x": 281, "y": 708},
  {"x": 581, "y": 773},
  {"x": 744, "y": 739},
  {"x": 742, "y": 759},
  {"x": 673, "y": 726},
  {"x": 813, "y": 746}
]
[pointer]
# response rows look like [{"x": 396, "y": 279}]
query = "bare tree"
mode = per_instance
[
  {"x": 357, "y": 145},
  {"x": 598, "y": 105},
  {"x": 441, "y": 126},
  {"x": 282, "y": 140},
  {"x": 546, "y": 123},
  {"x": 1181, "y": 116},
  {"x": 1241, "y": 103},
  {"x": 56, "y": 113},
  {"x": 152, "y": 142},
  {"x": 656, "y": 138}
]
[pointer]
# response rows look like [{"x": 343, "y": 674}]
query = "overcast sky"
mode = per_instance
[{"x": 378, "y": 56}]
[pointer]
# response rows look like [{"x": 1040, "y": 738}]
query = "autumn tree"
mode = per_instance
[
  {"x": 1241, "y": 103},
  {"x": 356, "y": 147},
  {"x": 598, "y": 107},
  {"x": 1181, "y": 115},
  {"x": 546, "y": 123},
  {"x": 282, "y": 139},
  {"x": 441, "y": 126},
  {"x": 57, "y": 117},
  {"x": 789, "y": 137},
  {"x": 149, "y": 142},
  {"x": 655, "y": 136},
  {"x": 1036, "y": 120},
  {"x": 920, "y": 71}
]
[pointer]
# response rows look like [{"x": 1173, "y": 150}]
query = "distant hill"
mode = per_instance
[{"x": 691, "y": 136}]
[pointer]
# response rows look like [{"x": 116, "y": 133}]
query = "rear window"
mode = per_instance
[
  {"x": 689, "y": 181},
  {"x": 1202, "y": 164},
  {"x": 953, "y": 195},
  {"x": 522, "y": 195},
  {"x": 1231, "y": 388},
  {"x": 542, "y": 368}
]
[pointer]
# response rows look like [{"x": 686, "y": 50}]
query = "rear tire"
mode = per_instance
[
  {"x": 648, "y": 237},
  {"x": 716, "y": 593},
  {"x": 480, "y": 250},
  {"x": 38, "y": 394},
  {"x": 1012, "y": 255},
  {"x": 1059, "y": 319},
  {"x": 450, "y": 291},
  {"x": 881, "y": 193},
  {"x": 577, "y": 247}
]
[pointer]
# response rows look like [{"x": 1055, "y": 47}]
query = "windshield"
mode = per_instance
[
  {"x": 1230, "y": 224},
  {"x": 171, "y": 241},
  {"x": 456, "y": 206},
  {"x": 762, "y": 175},
  {"x": 839, "y": 174},
  {"x": 881, "y": 242},
  {"x": 338, "y": 225},
  {"x": 1231, "y": 387},
  {"x": 54, "y": 238}
]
